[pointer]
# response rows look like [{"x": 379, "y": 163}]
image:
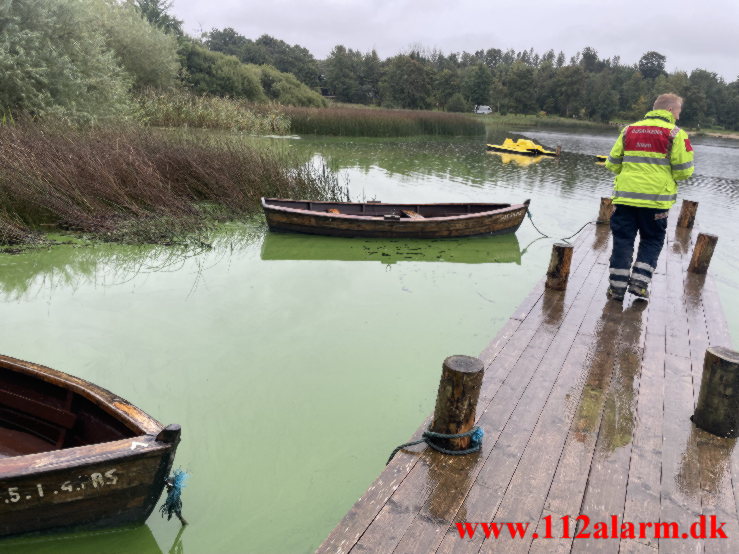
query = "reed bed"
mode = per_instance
[
  {"x": 177, "y": 108},
  {"x": 547, "y": 121},
  {"x": 356, "y": 122},
  {"x": 138, "y": 185}
]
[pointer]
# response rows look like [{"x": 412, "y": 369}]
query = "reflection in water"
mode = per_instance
[
  {"x": 177, "y": 546},
  {"x": 472, "y": 250},
  {"x": 517, "y": 159},
  {"x": 602, "y": 234},
  {"x": 681, "y": 241},
  {"x": 107, "y": 265},
  {"x": 607, "y": 400},
  {"x": 553, "y": 306},
  {"x": 452, "y": 162},
  {"x": 705, "y": 464},
  {"x": 137, "y": 539},
  {"x": 449, "y": 482}
]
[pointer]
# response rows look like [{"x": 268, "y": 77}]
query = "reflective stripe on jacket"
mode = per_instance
[{"x": 648, "y": 158}]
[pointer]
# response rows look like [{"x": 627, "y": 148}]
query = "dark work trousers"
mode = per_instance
[{"x": 626, "y": 222}]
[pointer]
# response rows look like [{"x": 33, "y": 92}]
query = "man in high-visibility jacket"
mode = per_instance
[{"x": 648, "y": 158}]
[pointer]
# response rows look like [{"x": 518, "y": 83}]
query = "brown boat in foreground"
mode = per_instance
[
  {"x": 375, "y": 219},
  {"x": 74, "y": 455}
]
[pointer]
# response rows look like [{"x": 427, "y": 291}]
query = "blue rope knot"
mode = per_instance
[
  {"x": 173, "y": 503},
  {"x": 476, "y": 434}
]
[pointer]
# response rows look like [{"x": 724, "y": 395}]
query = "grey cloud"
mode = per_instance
[{"x": 690, "y": 35}]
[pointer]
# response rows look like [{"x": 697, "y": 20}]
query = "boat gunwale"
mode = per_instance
[
  {"x": 500, "y": 211},
  {"x": 109, "y": 452}
]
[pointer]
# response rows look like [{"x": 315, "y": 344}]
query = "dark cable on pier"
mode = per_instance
[{"x": 528, "y": 213}]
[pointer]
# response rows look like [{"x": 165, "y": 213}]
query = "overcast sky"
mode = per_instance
[{"x": 691, "y": 34}]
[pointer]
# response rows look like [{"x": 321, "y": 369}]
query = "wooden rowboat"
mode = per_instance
[
  {"x": 74, "y": 455},
  {"x": 375, "y": 219}
]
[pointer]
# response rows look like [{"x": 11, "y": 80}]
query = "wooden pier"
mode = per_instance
[{"x": 586, "y": 406}]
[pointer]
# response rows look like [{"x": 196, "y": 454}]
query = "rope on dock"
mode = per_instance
[
  {"x": 528, "y": 213},
  {"x": 476, "y": 434}
]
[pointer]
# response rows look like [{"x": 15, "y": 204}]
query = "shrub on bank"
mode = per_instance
[
  {"x": 458, "y": 104},
  {"x": 215, "y": 73},
  {"x": 136, "y": 184},
  {"x": 286, "y": 89},
  {"x": 380, "y": 123}
]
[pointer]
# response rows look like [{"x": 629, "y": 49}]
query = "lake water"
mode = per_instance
[{"x": 295, "y": 364}]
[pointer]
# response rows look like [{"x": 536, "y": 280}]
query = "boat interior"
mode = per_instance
[
  {"x": 38, "y": 416},
  {"x": 376, "y": 209}
]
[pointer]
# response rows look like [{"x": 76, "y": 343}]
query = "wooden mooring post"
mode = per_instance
[
  {"x": 718, "y": 401},
  {"x": 687, "y": 214},
  {"x": 456, "y": 401},
  {"x": 559, "y": 266},
  {"x": 606, "y": 209},
  {"x": 702, "y": 253}
]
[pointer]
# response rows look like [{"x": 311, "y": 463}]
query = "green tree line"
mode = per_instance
[
  {"x": 89, "y": 60},
  {"x": 584, "y": 86}
]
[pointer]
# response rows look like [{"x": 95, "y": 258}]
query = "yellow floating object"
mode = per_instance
[{"x": 523, "y": 147}]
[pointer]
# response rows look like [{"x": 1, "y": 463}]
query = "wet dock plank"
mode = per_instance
[{"x": 585, "y": 406}]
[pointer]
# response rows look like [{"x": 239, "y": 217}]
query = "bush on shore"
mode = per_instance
[
  {"x": 458, "y": 104},
  {"x": 223, "y": 75}
]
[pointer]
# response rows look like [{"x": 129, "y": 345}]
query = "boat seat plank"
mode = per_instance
[
  {"x": 411, "y": 214},
  {"x": 333, "y": 211},
  {"x": 18, "y": 443},
  {"x": 62, "y": 418}
]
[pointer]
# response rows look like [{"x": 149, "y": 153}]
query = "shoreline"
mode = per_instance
[{"x": 723, "y": 135}]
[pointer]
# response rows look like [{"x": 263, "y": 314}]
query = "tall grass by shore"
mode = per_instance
[
  {"x": 358, "y": 122},
  {"x": 178, "y": 108},
  {"x": 137, "y": 185}
]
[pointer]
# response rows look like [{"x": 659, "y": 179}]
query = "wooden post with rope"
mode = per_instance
[{"x": 456, "y": 401}]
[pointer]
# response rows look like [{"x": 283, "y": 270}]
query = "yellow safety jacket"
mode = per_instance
[{"x": 648, "y": 158}]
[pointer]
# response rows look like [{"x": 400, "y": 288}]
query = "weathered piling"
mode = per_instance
[
  {"x": 559, "y": 266},
  {"x": 456, "y": 401},
  {"x": 702, "y": 253},
  {"x": 687, "y": 214},
  {"x": 606, "y": 209},
  {"x": 718, "y": 401}
]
